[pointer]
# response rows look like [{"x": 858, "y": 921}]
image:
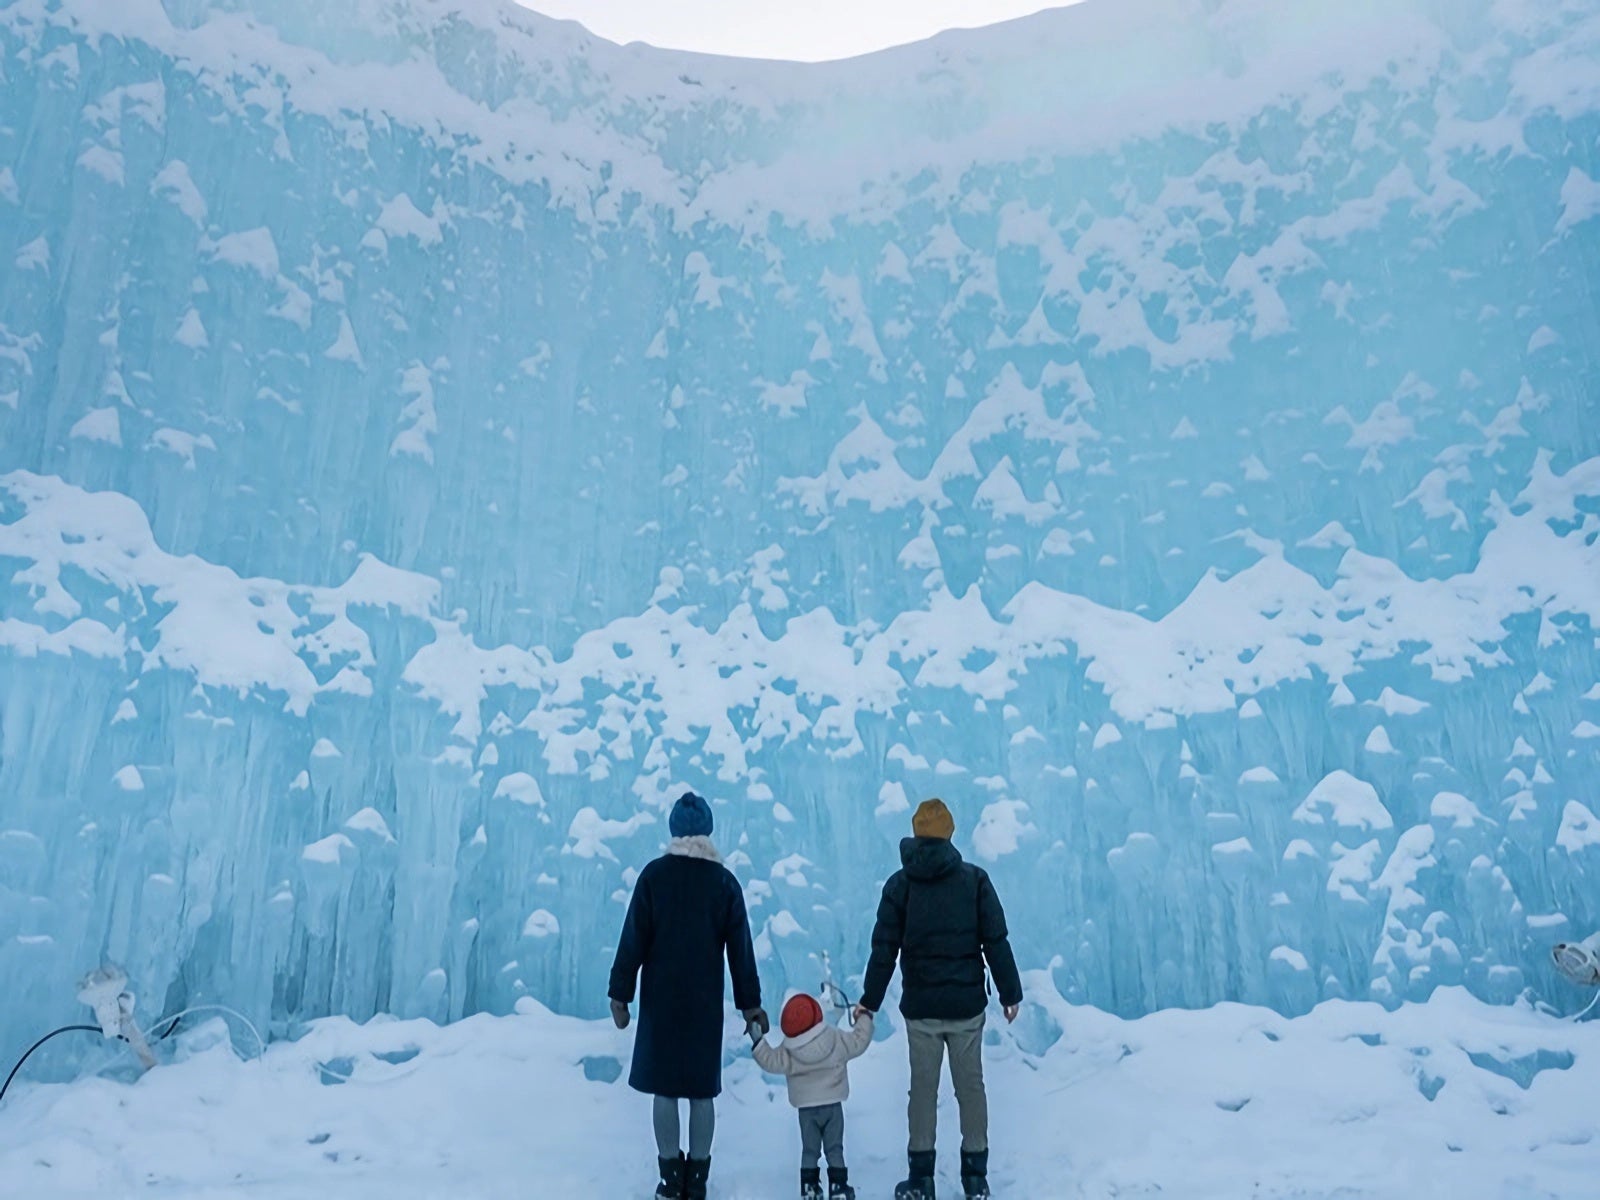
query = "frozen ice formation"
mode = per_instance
[{"x": 430, "y": 437}]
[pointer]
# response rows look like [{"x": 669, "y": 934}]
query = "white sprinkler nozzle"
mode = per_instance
[
  {"x": 105, "y": 990},
  {"x": 102, "y": 990},
  {"x": 1579, "y": 961}
]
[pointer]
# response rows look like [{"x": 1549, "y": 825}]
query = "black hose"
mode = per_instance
[
  {"x": 168, "y": 1032},
  {"x": 54, "y": 1032}
]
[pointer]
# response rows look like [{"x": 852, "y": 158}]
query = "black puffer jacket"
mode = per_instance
[{"x": 941, "y": 918}]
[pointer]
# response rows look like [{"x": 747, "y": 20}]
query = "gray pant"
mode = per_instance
[
  {"x": 669, "y": 1129},
  {"x": 822, "y": 1130},
  {"x": 929, "y": 1041}
]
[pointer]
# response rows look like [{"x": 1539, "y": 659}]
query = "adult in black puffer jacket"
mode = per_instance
[{"x": 940, "y": 917}]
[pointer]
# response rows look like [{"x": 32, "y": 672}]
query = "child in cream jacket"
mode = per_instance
[{"x": 814, "y": 1057}]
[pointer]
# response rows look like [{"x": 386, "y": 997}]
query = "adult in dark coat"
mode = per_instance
[
  {"x": 941, "y": 918},
  {"x": 687, "y": 914}
]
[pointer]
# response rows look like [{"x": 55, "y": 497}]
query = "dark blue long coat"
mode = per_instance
[{"x": 686, "y": 914}]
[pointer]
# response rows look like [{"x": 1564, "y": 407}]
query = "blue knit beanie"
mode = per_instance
[{"x": 691, "y": 817}]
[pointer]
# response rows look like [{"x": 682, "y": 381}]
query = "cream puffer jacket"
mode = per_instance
[{"x": 816, "y": 1062}]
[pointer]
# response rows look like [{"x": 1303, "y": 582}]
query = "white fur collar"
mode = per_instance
[{"x": 694, "y": 847}]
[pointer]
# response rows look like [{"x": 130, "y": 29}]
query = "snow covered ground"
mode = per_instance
[{"x": 1452, "y": 1098}]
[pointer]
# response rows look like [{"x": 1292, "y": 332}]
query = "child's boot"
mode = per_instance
[
  {"x": 919, "y": 1181},
  {"x": 839, "y": 1184},
  {"x": 975, "y": 1175},
  {"x": 671, "y": 1186},
  {"x": 810, "y": 1183}
]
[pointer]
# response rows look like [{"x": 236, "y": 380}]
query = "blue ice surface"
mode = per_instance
[{"x": 430, "y": 437}]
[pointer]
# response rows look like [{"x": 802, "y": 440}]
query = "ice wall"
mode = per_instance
[{"x": 430, "y": 437}]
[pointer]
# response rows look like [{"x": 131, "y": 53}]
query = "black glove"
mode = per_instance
[
  {"x": 620, "y": 1014},
  {"x": 756, "y": 1023}
]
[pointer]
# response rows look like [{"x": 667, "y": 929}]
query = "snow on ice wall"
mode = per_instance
[{"x": 430, "y": 437}]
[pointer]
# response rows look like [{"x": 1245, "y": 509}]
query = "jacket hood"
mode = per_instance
[
  {"x": 928, "y": 858},
  {"x": 812, "y": 1046}
]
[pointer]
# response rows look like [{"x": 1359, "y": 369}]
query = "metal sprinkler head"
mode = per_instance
[
  {"x": 105, "y": 990},
  {"x": 832, "y": 993}
]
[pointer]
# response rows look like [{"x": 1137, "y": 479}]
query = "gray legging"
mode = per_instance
[{"x": 669, "y": 1130}]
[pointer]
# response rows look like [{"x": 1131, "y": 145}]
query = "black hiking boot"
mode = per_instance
[
  {"x": 695, "y": 1173},
  {"x": 671, "y": 1185},
  {"x": 810, "y": 1183},
  {"x": 839, "y": 1184},
  {"x": 975, "y": 1175},
  {"x": 919, "y": 1181}
]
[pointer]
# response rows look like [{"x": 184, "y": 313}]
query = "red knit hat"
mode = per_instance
[{"x": 800, "y": 1015}]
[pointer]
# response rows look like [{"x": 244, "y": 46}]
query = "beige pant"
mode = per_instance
[{"x": 929, "y": 1041}]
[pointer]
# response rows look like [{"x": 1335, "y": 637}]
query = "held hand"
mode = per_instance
[
  {"x": 620, "y": 1014},
  {"x": 860, "y": 1011},
  {"x": 1011, "y": 1011},
  {"x": 756, "y": 1023}
]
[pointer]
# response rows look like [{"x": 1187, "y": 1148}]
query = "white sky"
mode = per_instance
[{"x": 811, "y": 30}]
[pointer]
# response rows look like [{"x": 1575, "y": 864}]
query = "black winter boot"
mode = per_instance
[
  {"x": 671, "y": 1186},
  {"x": 810, "y": 1183},
  {"x": 696, "y": 1172},
  {"x": 839, "y": 1184},
  {"x": 975, "y": 1175},
  {"x": 919, "y": 1182}
]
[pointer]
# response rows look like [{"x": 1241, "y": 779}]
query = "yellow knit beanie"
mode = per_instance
[{"x": 933, "y": 820}]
